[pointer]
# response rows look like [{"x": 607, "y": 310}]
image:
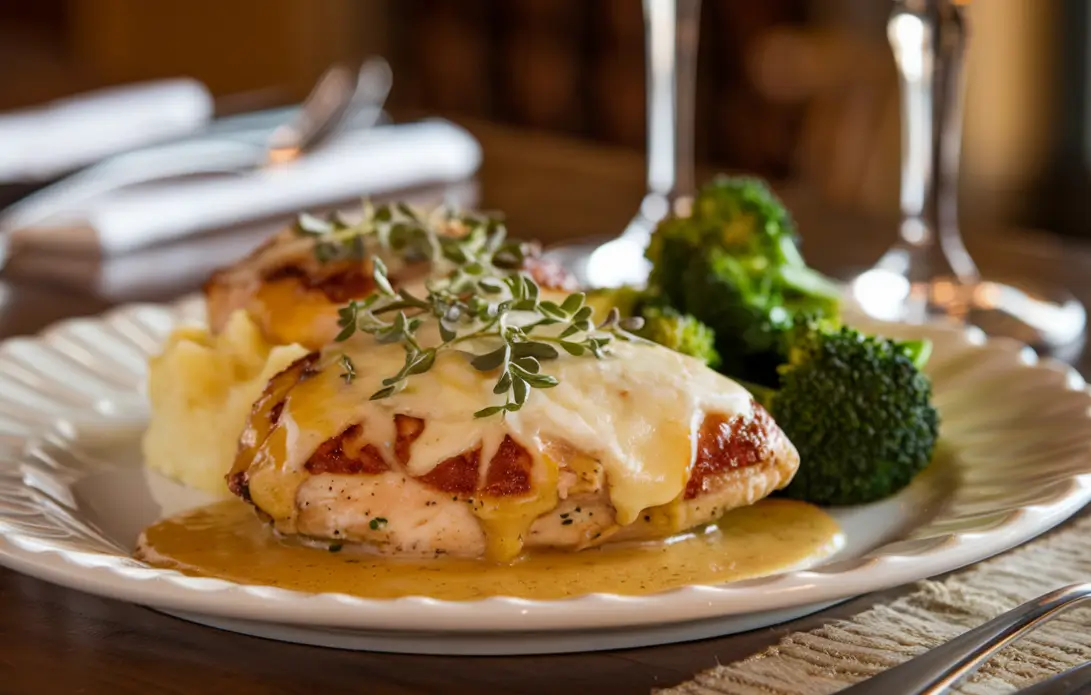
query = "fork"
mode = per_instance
[
  {"x": 328, "y": 106},
  {"x": 937, "y": 671}
]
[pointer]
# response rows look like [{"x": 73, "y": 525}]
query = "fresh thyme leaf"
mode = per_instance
[
  {"x": 337, "y": 219},
  {"x": 516, "y": 286},
  {"x": 389, "y": 334},
  {"x": 503, "y": 385},
  {"x": 611, "y": 319},
  {"x": 490, "y": 411},
  {"x": 571, "y": 330},
  {"x": 346, "y": 319},
  {"x": 448, "y": 330},
  {"x": 310, "y": 225},
  {"x": 348, "y": 369},
  {"x": 422, "y": 363},
  {"x": 552, "y": 309},
  {"x": 543, "y": 351},
  {"x": 541, "y": 381},
  {"x": 530, "y": 290},
  {"x": 520, "y": 389},
  {"x": 574, "y": 349},
  {"x": 491, "y": 360},
  {"x": 379, "y": 273},
  {"x": 382, "y": 393},
  {"x": 573, "y": 302},
  {"x": 529, "y": 364},
  {"x": 491, "y": 286}
]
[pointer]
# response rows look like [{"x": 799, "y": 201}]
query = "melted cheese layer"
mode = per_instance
[{"x": 637, "y": 412}]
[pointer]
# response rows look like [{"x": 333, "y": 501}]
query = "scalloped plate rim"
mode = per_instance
[{"x": 170, "y": 590}]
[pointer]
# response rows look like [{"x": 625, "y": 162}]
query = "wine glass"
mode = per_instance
[
  {"x": 928, "y": 273},
  {"x": 671, "y": 30}
]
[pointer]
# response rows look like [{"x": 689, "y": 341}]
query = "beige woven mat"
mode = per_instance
[{"x": 844, "y": 652}]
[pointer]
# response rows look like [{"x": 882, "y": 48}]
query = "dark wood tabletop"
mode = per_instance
[{"x": 55, "y": 640}]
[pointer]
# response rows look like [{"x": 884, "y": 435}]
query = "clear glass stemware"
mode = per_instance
[
  {"x": 928, "y": 273},
  {"x": 671, "y": 29}
]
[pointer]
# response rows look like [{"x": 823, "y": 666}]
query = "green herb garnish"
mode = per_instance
[
  {"x": 377, "y": 523},
  {"x": 516, "y": 347},
  {"x": 444, "y": 234},
  {"x": 348, "y": 369},
  {"x": 479, "y": 297}
]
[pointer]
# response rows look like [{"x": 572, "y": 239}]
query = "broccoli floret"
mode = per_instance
[
  {"x": 680, "y": 332},
  {"x": 859, "y": 411},
  {"x": 663, "y": 324},
  {"x": 627, "y": 300},
  {"x": 734, "y": 265}
]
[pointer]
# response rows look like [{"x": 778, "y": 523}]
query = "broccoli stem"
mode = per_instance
[
  {"x": 810, "y": 282},
  {"x": 918, "y": 351}
]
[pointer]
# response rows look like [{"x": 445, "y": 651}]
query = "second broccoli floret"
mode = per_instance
[
  {"x": 663, "y": 324},
  {"x": 733, "y": 264},
  {"x": 680, "y": 332},
  {"x": 859, "y": 411}
]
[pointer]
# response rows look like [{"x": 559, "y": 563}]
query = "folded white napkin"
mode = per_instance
[
  {"x": 45, "y": 141},
  {"x": 162, "y": 272},
  {"x": 357, "y": 163}
]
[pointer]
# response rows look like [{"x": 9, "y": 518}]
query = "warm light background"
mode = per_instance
[{"x": 798, "y": 89}]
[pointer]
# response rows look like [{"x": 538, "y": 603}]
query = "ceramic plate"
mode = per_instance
[{"x": 74, "y": 495}]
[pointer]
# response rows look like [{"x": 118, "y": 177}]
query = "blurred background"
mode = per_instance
[{"x": 797, "y": 90}]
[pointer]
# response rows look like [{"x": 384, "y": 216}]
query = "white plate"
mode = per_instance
[{"x": 74, "y": 495}]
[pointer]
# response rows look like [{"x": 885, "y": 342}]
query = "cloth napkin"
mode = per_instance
[
  {"x": 357, "y": 163},
  {"x": 823, "y": 661},
  {"x": 161, "y": 272},
  {"x": 43, "y": 142}
]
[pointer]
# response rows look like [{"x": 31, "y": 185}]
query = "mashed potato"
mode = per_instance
[{"x": 201, "y": 389}]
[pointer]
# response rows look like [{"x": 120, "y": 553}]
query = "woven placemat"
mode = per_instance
[{"x": 836, "y": 655}]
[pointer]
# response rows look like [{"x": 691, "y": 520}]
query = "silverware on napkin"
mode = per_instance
[
  {"x": 937, "y": 671},
  {"x": 338, "y": 97}
]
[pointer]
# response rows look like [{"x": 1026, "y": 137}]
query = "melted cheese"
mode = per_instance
[{"x": 637, "y": 413}]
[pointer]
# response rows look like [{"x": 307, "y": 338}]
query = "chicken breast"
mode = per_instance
[
  {"x": 294, "y": 297},
  {"x": 638, "y": 446}
]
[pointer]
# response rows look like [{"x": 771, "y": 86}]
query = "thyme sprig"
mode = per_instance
[
  {"x": 478, "y": 296},
  {"x": 472, "y": 242},
  {"x": 504, "y": 313}
]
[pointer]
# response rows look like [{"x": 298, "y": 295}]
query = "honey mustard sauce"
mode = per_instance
[{"x": 227, "y": 541}]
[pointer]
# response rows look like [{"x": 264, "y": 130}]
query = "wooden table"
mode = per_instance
[{"x": 54, "y": 640}]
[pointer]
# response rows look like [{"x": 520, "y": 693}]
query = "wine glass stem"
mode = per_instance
[
  {"x": 929, "y": 42},
  {"x": 671, "y": 28}
]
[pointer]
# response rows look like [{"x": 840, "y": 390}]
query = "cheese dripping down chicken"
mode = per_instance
[
  {"x": 639, "y": 445},
  {"x": 293, "y": 293}
]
